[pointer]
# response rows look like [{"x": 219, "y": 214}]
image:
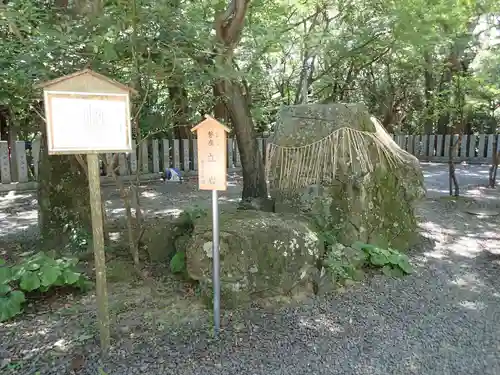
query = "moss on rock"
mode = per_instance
[
  {"x": 262, "y": 254},
  {"x": 338, "y": 166}
]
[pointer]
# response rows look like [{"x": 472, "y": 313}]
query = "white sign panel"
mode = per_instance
[{"x": 79, "y": 123}]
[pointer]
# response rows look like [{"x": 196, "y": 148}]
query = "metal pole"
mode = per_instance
[{"x": 215, "y": 256}]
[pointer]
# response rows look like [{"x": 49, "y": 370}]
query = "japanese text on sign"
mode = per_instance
[{"x": 211, "y": 155}]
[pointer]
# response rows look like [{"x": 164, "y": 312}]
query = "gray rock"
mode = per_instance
[
  {"x": 338, "y": 165},
  {"x": 262, "y": 254}
]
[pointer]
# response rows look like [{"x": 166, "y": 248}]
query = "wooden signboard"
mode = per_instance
[
  {"x": 87, "y": 112},
  {"x": 212, "y": 154}
]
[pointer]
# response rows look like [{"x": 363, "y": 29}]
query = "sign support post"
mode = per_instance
[
  {"x": 212, "y": 175},
  {"x": 216, "y": 259},
  {"x": 99, "y": 256},
  {"x": 88, "y": 113}
]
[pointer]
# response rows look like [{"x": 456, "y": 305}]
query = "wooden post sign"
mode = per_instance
[
  {"x": 212, "y": 175},
  {"x": 212, "y": 154},
  {"x": 88, "y": 113}
]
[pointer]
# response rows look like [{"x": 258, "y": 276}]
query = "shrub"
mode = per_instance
[
  {"x": 348, "y": 262},
  {"x": 39, "y": 272}
]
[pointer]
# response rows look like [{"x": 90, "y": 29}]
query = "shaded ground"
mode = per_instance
[
  {"x": 18, "y": 213},
  {"x": 443, "y": 319}
]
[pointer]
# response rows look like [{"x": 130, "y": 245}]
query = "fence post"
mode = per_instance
[
  {"x": 21, "y": 162},
  {"x": 481, "y": 146},
  {"x": 424, "y": 148},
  {"x": 230, "y": 155},
  {"x": 439, "y": 146},
  {"x": 166, "y": 154},
  {"x": 177, "y": 154},
  {"x": 5, "y": 163},
  {"x": 447, "y": 140},
  {"x": 432, "y": 146},
  {"x": 185, "y": 155},
  {"x": 489, "y": 152},
  {"x": 455, "y": 150},
  {"x": 472, "y": 147},
  {"x": 109, "y": 159},
  {"x": 122, "y": 164},
  {"x": 144, "y": 156},
  {"x": 156, "y": 156},
  {"x": 194, "y": 142},
  {"x": 463, "y": 147},
  {"x": 410, "y": 145},
  {"x": 133, "y": 158}
]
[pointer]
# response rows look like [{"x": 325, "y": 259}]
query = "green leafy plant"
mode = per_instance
[
  {"x": 347, "y": 262},
  {"x": 392, "y": 262},
  {"x": 178, "y": 262},
  {"x": 344, "y": 263},
  {"x": 39, "y": 272}
]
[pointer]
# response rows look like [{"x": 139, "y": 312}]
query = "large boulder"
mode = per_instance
[
  {"x": 163, "y": 236},
  {"x": 338, "y": 165},
  {"x": 262, "y": 254}
]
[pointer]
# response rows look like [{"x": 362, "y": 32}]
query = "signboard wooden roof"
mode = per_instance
[
  {"x": 86, "y": 81},
  {"x": 209, "y": 120}
]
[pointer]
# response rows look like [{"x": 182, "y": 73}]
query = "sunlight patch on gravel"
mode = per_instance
[
  {"x": 469, "y": 281},
  {"x": 473, "y": 305},
  {"x": 150, "y": 194},
  {"x": 465, "y": 247},
  {"x": 321, "y": 323}
]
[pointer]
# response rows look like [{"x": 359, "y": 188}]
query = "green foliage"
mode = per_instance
[
  {"x": 79, "y": 239},
  {"x": 39, "y": 272},
  {"x": 348, "y": 262},
  {"x": 392, "y": 262},
  {"x": 178, "y": 263},
  {"x": 187, "y": 218},
  {"x": 185, "y": 224},
  {"x": 377, "y": 53}
]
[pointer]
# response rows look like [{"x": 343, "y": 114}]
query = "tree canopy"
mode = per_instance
[{"x": 419, "y": 65}]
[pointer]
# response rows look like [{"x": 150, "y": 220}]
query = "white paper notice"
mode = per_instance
[{"x": 92, "y": 124}]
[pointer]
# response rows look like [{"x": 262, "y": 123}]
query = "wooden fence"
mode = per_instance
[{"x": 19, "y": 165}]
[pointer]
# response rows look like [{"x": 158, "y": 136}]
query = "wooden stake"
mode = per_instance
[{"x": 100, "y": 259}]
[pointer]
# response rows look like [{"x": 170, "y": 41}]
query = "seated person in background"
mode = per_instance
[{"x": 171, "y": 175}]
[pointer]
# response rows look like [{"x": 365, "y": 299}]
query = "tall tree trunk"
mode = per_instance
[
  {"x": 4, "y": 115},
  {"x": 220, "y": 110},
  {"x": 179, "y": 98},
  {"x": 428, "y": 88},
  {"x": 254, "y": 183},
  {"x": 63, "y": 197},
  {"x": 228, "y": 28},
  {"x": 63, "y": 193}
]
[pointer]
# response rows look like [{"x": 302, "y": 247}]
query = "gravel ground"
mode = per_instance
[{"x": 443, "y": 319}]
